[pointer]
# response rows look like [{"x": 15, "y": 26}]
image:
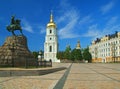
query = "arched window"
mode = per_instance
[
  {"x": 50, "y": 31},
  {"x": 50, "y": 49}
]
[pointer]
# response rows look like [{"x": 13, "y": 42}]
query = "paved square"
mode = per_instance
[
  {"x": 93, "y": 76},
  {"x": 80, "y": 76}
]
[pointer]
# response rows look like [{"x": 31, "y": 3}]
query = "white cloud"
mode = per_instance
[
  {"x": 27, "y": 26},
  {"x": 69, "y": 19},
  {"x": 42, "y": 29},
  {"x": 93, "y": 31},
  {"x": 64, "y": 17},
  {"x": 112, "y": 21},
  {"x": 86, "y": 19},
  {"x": 65, "y": 5},
  {"x": 110, "y": 27},
  {"x": 116, "y": 28},
  {"x": 106, "y": 8}
]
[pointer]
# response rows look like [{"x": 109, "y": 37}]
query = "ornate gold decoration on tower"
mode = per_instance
[
  {"x": 51, "y": 23},
  {"x": 78, "y": 45}
]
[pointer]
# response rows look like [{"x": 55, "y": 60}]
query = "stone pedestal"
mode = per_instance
[{"x": 15, "y": 52}]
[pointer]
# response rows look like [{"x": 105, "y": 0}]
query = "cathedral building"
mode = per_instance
[
  {"x": 51, "y": 41},
  {"x": 78, "y": 45},
  {"x": 106, "y": 49}
]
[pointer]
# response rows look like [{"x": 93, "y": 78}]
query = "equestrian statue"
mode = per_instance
[{"x": 15, "y": 25}]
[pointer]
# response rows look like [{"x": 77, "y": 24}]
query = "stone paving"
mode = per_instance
[
  {"x": 33, "y": 82},
  {"x": 80, "y": 76},
  {"x": 93, "y": 76}
]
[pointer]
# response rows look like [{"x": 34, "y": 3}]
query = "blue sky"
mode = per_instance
[{"x": 83, "y": 20}]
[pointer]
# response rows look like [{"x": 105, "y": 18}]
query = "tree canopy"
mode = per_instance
[
  {"x": 60, "y": 55},
  {"x": 35, "y": 54},
  {"x": 67, "y": 52},
  {"x": 87, "y": 55},
  {"x": 76, "y": 54}
]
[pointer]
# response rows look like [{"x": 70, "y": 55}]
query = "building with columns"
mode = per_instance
[
  {"x": 106, "y": 49},
  {"x": 51, "y": 41}
]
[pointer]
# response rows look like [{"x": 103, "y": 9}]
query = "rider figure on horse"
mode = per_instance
[{"x": 15, "y": 25}]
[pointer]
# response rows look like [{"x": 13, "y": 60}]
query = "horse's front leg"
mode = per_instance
[
  {"x": 21, "y": 31},
  {"x": 13, "y": 33}
]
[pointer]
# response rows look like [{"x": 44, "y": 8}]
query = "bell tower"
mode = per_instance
[{"x": 51, "y": 41}]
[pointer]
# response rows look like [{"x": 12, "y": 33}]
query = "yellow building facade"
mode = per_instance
[{"x": 106, "y": 49}]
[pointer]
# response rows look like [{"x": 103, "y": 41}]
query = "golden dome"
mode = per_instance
[
  {"x": 78, "y": 45},
  {"x": 51, "y": 23}
]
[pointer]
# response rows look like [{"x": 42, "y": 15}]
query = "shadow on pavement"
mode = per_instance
[{"x": 8, "y": 73}]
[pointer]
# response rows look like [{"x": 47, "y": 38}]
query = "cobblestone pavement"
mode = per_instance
[
  {"x": 79, "y": 76},
  {"x": 33, "y": 82},
  {"x": 93, "y": 76}
]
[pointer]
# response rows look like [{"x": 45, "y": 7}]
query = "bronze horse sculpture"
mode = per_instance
[{"x": 15, "y": 25}]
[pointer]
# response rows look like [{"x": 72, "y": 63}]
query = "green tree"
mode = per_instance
[
  {"x": 60, "y": 55},
  {"x": 87, "y": 55},
  {"x": 67, "y": 52},
  {"x": 35, "y": 54},
  {"x": 76, "y": 54}
]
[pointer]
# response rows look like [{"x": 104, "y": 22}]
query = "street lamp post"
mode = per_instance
[{"x": 40, "y": 53}]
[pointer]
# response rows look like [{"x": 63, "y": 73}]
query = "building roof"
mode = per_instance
[{"x": 106, "y": 37}]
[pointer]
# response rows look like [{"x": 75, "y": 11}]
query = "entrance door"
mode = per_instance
[{"x": 104, "y": 60}]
